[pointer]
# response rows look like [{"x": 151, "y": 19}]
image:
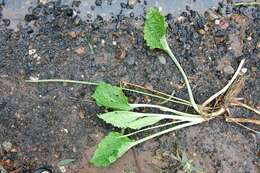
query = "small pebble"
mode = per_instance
[
  {"x": 62, "y": 169},
  {"x": 148, "y": 86},
  {"x": 202, "y": 31},
  {"x": 74, "y": 149},
  {"x": 228, "y": 69},
  {"x": 249, "y": 38},
  {"x": 180, "y": 19},
  {"x": 258, "y": 45},
  {"x": 32, "y": 51},
  {"x": 32, "y": 78},
  {"x": 217, "y": 22},
  {"x": 17, "y": 115},
  {"x": 162, "y": 60},
  {"x": 35, "y": 56},
  {"x": 244, "y": 70},
  {"x": 72, "y": 34},
  {"x": 66, "y": 130},
  {"x": 131, "y": 2},
  {"x": 131, "y": 60},
  {"x": 103, "y": 42},
  {"x": 43, "y": 1},
  {"x": 7, "y": 146},
  {"x": 14, "y": 150},
  {"x": 80, "y": 50},
  {"x": 82, "y": 113}
]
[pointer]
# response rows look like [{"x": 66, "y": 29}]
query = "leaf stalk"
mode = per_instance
[{"x": 168, "y": 50}]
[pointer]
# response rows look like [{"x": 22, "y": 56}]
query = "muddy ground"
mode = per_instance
[{"x": 45, "y": 123}]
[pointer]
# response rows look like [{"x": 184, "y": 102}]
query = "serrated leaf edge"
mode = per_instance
[{"x": 162, "y": 38}]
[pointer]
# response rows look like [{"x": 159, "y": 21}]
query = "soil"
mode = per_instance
[{"x": 45, "y": 123}]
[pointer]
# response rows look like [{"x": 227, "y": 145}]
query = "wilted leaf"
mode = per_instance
[
  {"x": 111, "y": 97},
  {"x": 155, "y": 28},
  {"x": 112, "y": 147},
  {"x": 125, "y": 119},
  {"x": 65, "y": 162}
]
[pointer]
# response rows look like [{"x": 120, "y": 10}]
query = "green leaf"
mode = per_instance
[
  {"x": 119, "y": 119},
  {"x": 112, "y": 147},
  {"x": 111, "y": 97},
  {"x": 143, "y": 122},
  {"x": 125, "y": 119},
  {"x": 155, "y": 28},
  {"x": 65, "y": 162}
]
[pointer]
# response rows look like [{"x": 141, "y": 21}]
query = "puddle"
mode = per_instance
[{"x": 15, "y": 10}]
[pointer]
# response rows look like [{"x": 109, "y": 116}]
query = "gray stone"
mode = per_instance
[
  {"x": 162, "y": 60},
  {"x": 7, "y": 146},
  {"x": 130, "y": 60},
  {"x": 228, "y": 69},
  {"x": 131, "y": 2}
]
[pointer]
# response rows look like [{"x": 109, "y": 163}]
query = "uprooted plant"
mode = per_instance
[{"x": 124, "y": 116}]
